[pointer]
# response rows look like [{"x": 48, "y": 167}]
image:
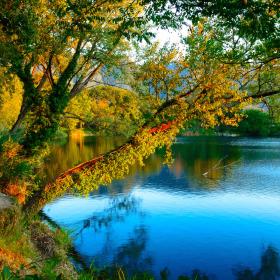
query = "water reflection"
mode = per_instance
[
  {"x": 180, "y": 217},
  {"x": 119, "y": 207},
  {"x": 269, "y": 269},
  {"x": 66, "y": 153},
  {"x": 211, "y": 159},
  {"x": 100, "y": 227},
  {"x": 132, "y": 254}
]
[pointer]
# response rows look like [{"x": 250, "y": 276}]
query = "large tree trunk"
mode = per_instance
[
  {"x": 30, "y": 94},
  {"x": 20, "y": 118}
]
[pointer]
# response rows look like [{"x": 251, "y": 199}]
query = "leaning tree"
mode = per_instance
[{"x": 57, "y": 47}]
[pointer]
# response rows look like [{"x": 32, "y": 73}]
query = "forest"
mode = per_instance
[{"x": 96, "y": 67}]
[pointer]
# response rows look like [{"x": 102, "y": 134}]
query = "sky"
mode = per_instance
[
  {"x": 164, "y": 36},
  {"x": 170, "y": 36}
]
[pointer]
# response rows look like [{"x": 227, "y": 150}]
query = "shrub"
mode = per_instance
[{"x": 257, "y": 123}]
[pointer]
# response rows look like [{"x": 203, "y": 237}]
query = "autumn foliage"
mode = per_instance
[
  {"x": 17, "y": 190},
  {"x": 11, "y": 259}
]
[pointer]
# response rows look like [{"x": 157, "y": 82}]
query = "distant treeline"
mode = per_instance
[{"x": 256, "y": 123}]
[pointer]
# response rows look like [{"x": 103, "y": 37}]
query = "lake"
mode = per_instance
[{"x": 216, "y": 208}]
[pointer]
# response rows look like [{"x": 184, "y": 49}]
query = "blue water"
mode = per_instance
[{"x": 216, "y": 209}]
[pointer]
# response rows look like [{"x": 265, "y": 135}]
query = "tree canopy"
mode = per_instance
[
  {"x": 85, "y": 61},
  {"x": 57, "y": 47}
]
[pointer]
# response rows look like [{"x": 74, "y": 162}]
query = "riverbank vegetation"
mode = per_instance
[
  {"x": 257, "y": 123},
  {"x": 94, "y": 65}
]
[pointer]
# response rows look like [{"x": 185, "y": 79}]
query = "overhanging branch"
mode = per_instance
[{"x": 264, "y": 94}]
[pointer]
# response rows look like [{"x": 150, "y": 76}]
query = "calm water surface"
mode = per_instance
[{"x": 216, "y": 209}]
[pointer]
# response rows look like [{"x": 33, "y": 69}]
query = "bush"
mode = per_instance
[{"x": 257, "y": 123}]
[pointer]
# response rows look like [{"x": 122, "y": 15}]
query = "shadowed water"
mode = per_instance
[{"x": 216, "y": 209}]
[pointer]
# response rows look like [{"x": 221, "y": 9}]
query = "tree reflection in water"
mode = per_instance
[
  {"x": 119, "y": 208},
  {"x": 193, "y": 156},
  {"x": 269, "y": 270},
  {"x": 131, "y": 255}
]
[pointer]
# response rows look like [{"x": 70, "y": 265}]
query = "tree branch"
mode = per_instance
[
  {"x": 80, "y": 85},
  {"x": 66, "y": 75},
  {"x": 264, "y": 94}
]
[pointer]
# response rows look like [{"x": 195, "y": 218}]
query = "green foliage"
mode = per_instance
[
  {"x": 52, "y": 50},
  {"x": 18, "y": 174},
  {"x": 106, "y": 110},
  {"x": 115, "y": 273},
  {"x": 57, "y": 48},
  {"x": 12, "y": 166},
  {"x": 252, "y": 20},
  {"x": 48, "y": 44},
  {"x": 256, "y": 123},
  {"x": 15, "y": 245},
  {"x": 10, "y": 99},
  {"x": 273, "y": 104},
  {"x": 7, "y": 274}
]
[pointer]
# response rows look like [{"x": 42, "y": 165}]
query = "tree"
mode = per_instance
[
  {"x": 106, "y": 110},
  {"x": 10, "y": 99},
  {"x": 161, "y": 73},
  {"x": 210, "y": 92},
  {"x": 273, "y": 104},
  {"x": 255, "y": 21},
  {"x": 57, "y": 47},
  {"x": 256, "y": 123}
]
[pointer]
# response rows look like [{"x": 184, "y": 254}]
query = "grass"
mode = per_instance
[
  {"x": 48, "y": 272},
  {"x": 31, "y": 247},
  {"x": 15, "y": 245}
]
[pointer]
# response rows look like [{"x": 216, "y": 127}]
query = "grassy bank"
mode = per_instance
[{"x": 32, "y": 248}]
